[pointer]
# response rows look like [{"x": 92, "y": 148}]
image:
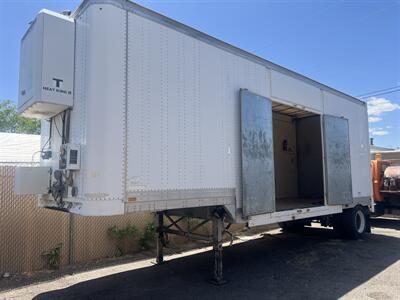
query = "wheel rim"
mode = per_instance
[{"x": 360, "y": 221}]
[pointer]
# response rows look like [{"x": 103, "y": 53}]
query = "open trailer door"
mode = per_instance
[
  {"x": 338, "y": 185},
  {"x": 258, "y": 180}
]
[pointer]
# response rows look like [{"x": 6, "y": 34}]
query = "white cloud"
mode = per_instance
[
  {"x": 378, "y": 106},
  {"x": 374, "y": 119},
  {"x": 378, "y": 131}
]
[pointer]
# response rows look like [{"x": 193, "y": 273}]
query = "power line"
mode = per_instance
[
  {"x": 378, "y": 91},
  {"x": 379, "y": 94}
]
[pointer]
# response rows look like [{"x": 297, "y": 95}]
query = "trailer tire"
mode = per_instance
[
  {"x": 352, "y": 223},
  {"x": 293, "y": 226}
]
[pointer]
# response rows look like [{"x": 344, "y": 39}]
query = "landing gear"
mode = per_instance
[
  {"x": 218, "y": 229},
  {"x": 160, "y": 238}
]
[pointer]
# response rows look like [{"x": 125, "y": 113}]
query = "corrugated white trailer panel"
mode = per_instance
[
  {"x": 182, "y": 106},
  {"x": 291, "y": 90},
  {"x": 183, "y": 110},
  {"x": 157, "y": 113}
]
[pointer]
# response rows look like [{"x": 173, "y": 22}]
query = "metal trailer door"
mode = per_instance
[
  {"x": 338, "y": 185},
  {"x": 258, "y": 180}
]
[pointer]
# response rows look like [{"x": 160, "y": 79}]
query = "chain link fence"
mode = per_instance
[{"x": 27, "y": 231}]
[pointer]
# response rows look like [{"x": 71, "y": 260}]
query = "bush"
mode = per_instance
[
  {"x": 122, "y": 237},
  {"x": 147, "y": 238},
  {"x": 53, "y": 256}
]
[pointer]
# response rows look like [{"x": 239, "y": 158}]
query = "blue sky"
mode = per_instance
[{"x": 353, "y": 45}]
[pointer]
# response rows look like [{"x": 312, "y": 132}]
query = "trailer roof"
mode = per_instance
[{"x": 152, "y": 15}]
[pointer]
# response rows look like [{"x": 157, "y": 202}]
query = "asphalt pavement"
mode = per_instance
[{"x": 314, "y": 265}]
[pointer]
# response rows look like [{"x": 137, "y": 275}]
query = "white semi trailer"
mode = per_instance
[{"x": 143, "y": 113}]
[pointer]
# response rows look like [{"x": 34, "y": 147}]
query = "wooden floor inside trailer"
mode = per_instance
[{"x": 293, "y": 203}]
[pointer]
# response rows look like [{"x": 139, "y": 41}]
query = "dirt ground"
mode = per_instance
[{"x": 314, "y": 265}]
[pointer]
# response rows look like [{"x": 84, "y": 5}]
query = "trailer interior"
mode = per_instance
[{"x": 298, "y": 158}]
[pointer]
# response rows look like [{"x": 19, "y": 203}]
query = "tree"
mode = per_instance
[{"x": 10, "y": 121}]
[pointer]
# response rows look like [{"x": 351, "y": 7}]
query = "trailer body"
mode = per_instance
[{"x": 165, "y": 117}]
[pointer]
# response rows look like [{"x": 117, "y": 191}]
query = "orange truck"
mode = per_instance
[{"x": 385, "y": 168}]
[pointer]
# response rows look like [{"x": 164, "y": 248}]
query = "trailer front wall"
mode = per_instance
[{"x": 98, "y": 115}]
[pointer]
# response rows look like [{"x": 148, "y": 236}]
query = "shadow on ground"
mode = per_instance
[
  {"x": 314, "y": 265},
  {"x": 386, "y": 223}
]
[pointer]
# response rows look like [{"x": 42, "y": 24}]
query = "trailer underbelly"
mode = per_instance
[{"x": 294, "y": 214}]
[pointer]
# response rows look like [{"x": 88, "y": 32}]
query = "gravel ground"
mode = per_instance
[{"x": 314, "y": 265}]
